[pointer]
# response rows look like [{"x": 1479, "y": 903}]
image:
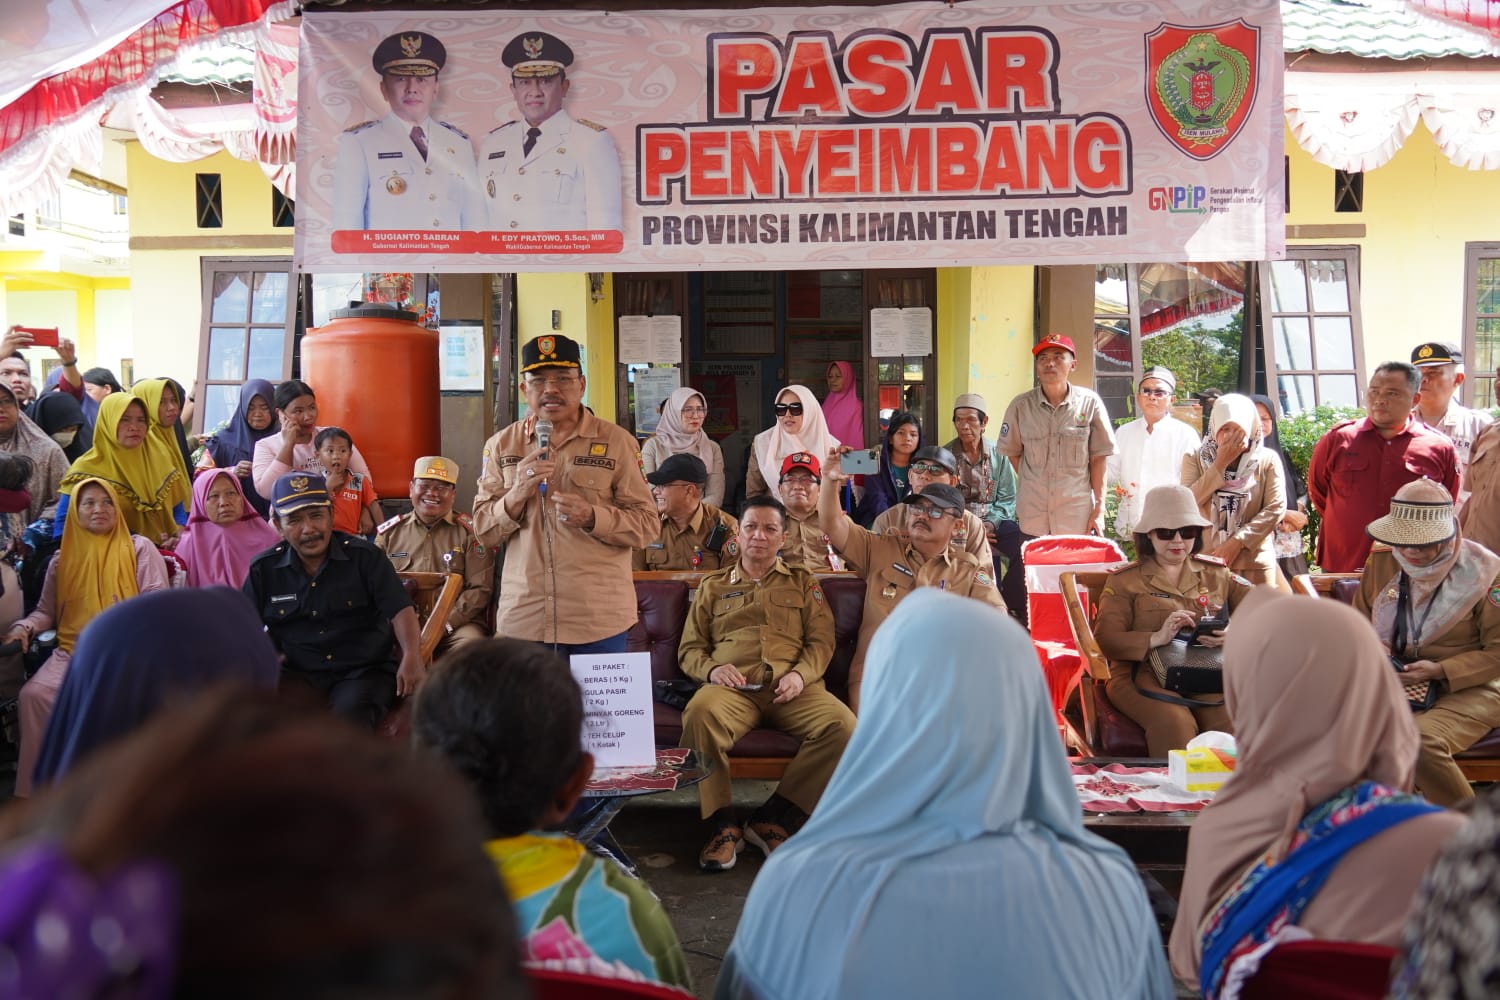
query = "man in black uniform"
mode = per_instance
[{"x": 330, "y": 602}]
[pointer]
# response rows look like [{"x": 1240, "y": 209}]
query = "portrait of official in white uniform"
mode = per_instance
[
  {"x": 547, "y": 170},
  {"x": 406, "y": 170}
]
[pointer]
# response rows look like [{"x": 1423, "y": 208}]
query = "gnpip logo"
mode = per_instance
[{"x": 1180, "y": 198}]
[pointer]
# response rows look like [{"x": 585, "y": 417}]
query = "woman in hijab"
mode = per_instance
[
  {"x": 1239, "y": 488},
  {"x": 134, "y": 659},
  {"x": 146, "y": 481},
  {"x": 890, "y": 485},
  {"x": 20, "y": 436},
  {"x": 233, "y": 448},
  {"x": 947, "y": 857},
  {"x": 61, "y": 417},
  {"x": 224, "y": 533},
  {"x": 1316, "y": 832},
  {"x": 681, "y": 432},
  {"x": 164, "y": 398},
  {"x": 800, "y": 427},
  {"x": 1432, "y": 597},
  {"x": 100, "y": 564},
  {"x": 842, "y": 407},
  {"x": 1291, "y": 550}
]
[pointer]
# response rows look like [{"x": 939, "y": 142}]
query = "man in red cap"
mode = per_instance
[
  {"x": 1058, "y": 437},
  {"x": 806, "y": 544}
]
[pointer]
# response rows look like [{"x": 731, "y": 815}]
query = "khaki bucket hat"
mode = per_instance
[
  {"x": 1170, "y": 507},
  {"x": 1421, "y": 514}
]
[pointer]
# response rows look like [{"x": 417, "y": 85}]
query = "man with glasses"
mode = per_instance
[
  {"x": 988, "y": 483},
  {"x": 434, "y": 539},
  {"x": 1151, "y": 448},
  {"x": 1358, "y": 465},
  {"x": 806, "y": 543},
  {"x": 547, "y": 171},
  {"x": 1441, "y": 366},
  {"x": 569, "y": 514},
  {"x": 936, "y": 464},
  {"x": 695, "y": 535},
  {"x": 893, "y": 567}
]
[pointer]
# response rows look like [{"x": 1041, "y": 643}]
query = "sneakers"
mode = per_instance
[
  {"x": 766, "y": 835},
  {"x": 722, "y": 850}
]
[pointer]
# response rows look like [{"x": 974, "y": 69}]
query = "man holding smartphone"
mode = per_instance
[
  {"x": 695, "y": 535},
  {"x": 759, "y": 636}
]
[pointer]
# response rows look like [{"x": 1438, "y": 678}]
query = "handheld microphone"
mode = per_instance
[{"x": 544, "y": 441}]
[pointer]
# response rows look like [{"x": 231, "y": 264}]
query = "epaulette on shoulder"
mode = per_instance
[
  {"x": 499, "y": 127},
  {"x": 1211, "y": 560},
  {"x": 464, "y": 519},
  {"x": 274, "y": 550},
  {"x": 359, "y": 128},
  {"x": 455, "y": 129},
  {"x": 593, "y": 125},
  {"x": 1121, "y": 569},
  {"x": 383, "y": 526}
]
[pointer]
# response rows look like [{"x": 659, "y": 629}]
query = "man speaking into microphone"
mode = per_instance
[{"x": 565, "y": 490}]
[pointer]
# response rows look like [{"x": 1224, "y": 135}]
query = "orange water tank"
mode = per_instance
[{"x": 375, "y": 372}]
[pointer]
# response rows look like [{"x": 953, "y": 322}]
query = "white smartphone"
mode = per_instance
[{"x": 865, "y": 462}]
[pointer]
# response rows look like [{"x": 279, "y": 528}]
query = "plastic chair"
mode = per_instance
[
  {"x": 550, "y": 985},
  {"x": 1326, "y": 970}
]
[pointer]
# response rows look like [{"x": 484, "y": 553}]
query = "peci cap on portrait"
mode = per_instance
[
  {"x": 296, "y": 490},
  {"x": 536, "y": 53},
  {"x": 1437, "y": 352},
  {"x": 436, "y": 467},
  {"x": 409, "y": 53},
  {"x": 552, "y": 350}
]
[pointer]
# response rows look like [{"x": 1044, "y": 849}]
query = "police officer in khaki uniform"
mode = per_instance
[
  {"x": 760, "y": 635},
  {"x": 695, "y": 535},
  {"x": 434, "y": 539},
  {"x": 547, "y": 171},
  {"x": 570, "y": 514},
  {"x": 406, "y": 170},
  {"x": 806, "y": 542},
  {"x": 1145, "y": 603},
  {"x": 893, "y": 567}
]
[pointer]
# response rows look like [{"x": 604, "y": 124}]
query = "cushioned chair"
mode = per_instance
[
  {"x": 662, "y": 606},
  {"x": 1481, "y": 762},
  {"x": 1107, "y": 732},
  {"x": 433, "y": 595},
  {"x": 549, "y": 985},
  {"x": 1325, "y": 970}
]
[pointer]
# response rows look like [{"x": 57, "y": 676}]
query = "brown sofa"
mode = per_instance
[{"x": 764, "y": 753}]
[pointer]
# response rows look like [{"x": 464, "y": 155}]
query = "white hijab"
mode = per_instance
[{"x": 773, "y": 445}]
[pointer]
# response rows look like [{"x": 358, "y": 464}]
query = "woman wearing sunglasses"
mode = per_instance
[
  {"x": 1142, "y": 606},
  {"x": 799, "y": 426}
]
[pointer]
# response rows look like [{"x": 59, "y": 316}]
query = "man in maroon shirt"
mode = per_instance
[{"x": 1358, "y": 466}]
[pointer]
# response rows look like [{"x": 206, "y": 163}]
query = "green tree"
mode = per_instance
[{"x": 1200, "y": 357}]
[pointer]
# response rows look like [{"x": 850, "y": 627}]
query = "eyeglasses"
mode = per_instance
[
  {"x": 932, "y": 512},
  {"x": 434, "y": 486},
  {"x": 929, "y": 469},
  {"x": 800, "y": 479},
  {"x": 662, "y": 486},
  {"x": 795, "y": 409},
  {"x": 1154, "y": 393},
  {"x": 693, "y": 411},
  {"x": 1167, "y": 534},
  {"x": 554, "y": 382}
]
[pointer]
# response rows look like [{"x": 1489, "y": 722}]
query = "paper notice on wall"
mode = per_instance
[
  {"x": 618, "y": 722},
  {"x": 901, "y": 333},
  {"x": 650, "y": 340},
  {"x": 461, "y": 358},
  {"x": 652, "y": 385},
  {"x": 666, "y": 340}
]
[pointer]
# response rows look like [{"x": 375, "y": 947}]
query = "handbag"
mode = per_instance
[
  {"x": 1188, "y": 669},
  {"x": 675, "y": 693},
  {"x": 1420, "y": 695}
]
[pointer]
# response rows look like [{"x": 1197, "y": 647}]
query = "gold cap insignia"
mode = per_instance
[
  {"x": 411, "y": 46},
  {"x": 532, "y": 47},
  {"x": 299, "y": 483}
]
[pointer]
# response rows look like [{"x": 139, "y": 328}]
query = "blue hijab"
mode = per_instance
[
  {"x": 236, "y": 442},
  {"x": 947, "y": 857},
  {"x": 145, "y": 652}
]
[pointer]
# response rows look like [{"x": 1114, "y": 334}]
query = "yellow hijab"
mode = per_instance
[
  {"x": 142, "y": 479},
  {"x": 94, "y": 572},
  {"x": 163, "y": 439}
]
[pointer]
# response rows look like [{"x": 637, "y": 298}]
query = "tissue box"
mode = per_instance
[{"x": 1199, "y": 770}]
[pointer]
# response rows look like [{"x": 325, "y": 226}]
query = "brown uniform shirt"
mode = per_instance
[
  {"x": 970, "y": 535},
  {"x": 1136, "y": 599},
  {"x": 582, "y": 580},
  {"x": 1480, "y": 515},
  {"x": 1054, "y": 495},
  {"x": 1264, "y": 509},
  {"x": 766, "y": 628},
  {"x": 449, "y": 546},
  {"x": 688, "y": 549},
  {"x": 806, "y": 545},
  {"x": 891, "y": 569}
]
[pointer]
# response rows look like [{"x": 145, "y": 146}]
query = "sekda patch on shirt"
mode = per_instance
[
  {"x": 593, "y": 461},
  {"x": 509, "y": 460}
]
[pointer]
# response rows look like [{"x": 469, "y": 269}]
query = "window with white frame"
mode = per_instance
[
  {"x": 1481, "y": 323},
  {"x": 1310, "y": 316}
]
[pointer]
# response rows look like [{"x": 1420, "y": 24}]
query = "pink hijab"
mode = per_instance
[
  {"x": 219, "y": 555},
  {"x": 774, "y": 444},
  {"x": 844, "y": 411}
]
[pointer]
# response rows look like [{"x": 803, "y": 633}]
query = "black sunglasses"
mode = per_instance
[
  {"x": 1165, "y": 534},
  {"x": 795, "y": 409}
]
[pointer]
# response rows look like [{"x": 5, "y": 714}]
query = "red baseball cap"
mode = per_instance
[
  {"x": 1055, "y": 340},
  {"x": 802, "y": 460}
]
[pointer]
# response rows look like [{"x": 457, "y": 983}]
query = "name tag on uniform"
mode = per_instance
[
  {"x": 656, "y": 545},
  {"x": 900, "y": 568},
  {"x": 282, "y": 598},
  {"x": 735, "y": 593},
  {"x": 497, "y": 155},
  {"x": 400, "y": 555},
  {"x": 388, "y": 156}
]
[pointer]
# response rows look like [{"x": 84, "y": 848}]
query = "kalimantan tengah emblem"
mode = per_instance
[{"x": 1201, "y": 82}]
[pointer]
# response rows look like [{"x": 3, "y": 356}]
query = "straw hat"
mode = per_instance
[
  {"x": 1421, "y": 514},
  {"x": 1170, "y": 507}
]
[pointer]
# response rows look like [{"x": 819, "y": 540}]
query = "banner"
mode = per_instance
[{"x": 813, "y": 137}]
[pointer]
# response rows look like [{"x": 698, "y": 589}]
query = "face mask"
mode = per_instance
[{"x": 65, "y": 438}]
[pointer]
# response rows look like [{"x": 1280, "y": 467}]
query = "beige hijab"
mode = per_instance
[{"x": 1316, "y": 708}]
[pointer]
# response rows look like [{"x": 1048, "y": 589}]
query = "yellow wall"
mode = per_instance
[
  {"x": 84, "y": 309},
  {"x": 1420, "y": 210},
  {"x": 589, "y": 323},
  {"x": 166, "y": 285},
  {"x": 984, "y": 335}
]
